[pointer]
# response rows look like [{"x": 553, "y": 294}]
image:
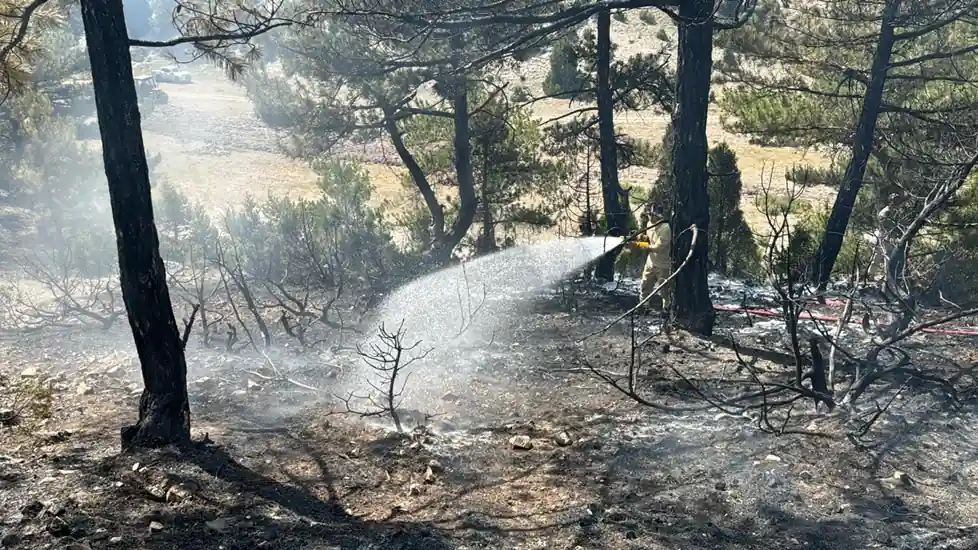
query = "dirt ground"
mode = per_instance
[{"x": 274, "y": 469}]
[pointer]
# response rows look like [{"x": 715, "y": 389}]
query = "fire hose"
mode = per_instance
[{"x": 633, "y": 240}]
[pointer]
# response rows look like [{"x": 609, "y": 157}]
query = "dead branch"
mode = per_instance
[
  {"x": 232, "y": 270},
  {"x": 188, "y": 325},
  {"x": 466, "y": 309},
  {"x": 70, "y": 298},
  {"x": 280, "y": 376},
  {"x": 388, "y": 358}
]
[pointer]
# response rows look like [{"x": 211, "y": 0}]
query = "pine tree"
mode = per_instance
[
  {"x": 611, "y": 86},
  {"x": 891, "y": 91},
  {"x": 733, "y": 250},
  {"x": 516, "y": 184},
  {"x": 341, "y": 87},
  {"x": 565, "y": 78}
]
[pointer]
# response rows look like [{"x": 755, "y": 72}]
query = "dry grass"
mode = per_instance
[{"x": 251, "y": 165}]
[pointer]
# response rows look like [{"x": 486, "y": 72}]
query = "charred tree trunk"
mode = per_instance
[
  {"x": 691, "y": 305},
  {"x": 862, "y": 146},
  {"x": 164, "y": 410},
  {"x": 487, "y": 242},
  {"x": 468, "y": 201},
  {"x": 614, "y": 213},
  {"x": 418, "y": 177}
]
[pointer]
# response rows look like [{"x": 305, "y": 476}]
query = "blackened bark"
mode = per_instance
[
  {"x": 487, "y": 242},
  {"x": 418, "y": 177},
  {"x": 463, "y": 167},
  {"x": 614, "y": 212},
  {"x": 468, "y": 201},
  {"x": 691, "y": 305},
  {"x": 862, "y": 146},
  {"x": 164, "y": 410}
]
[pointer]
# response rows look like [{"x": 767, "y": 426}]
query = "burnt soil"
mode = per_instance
[{"x": 272, "y": 467}]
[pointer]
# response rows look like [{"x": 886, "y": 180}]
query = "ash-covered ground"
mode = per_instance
[{"x": 534, "y": 451}]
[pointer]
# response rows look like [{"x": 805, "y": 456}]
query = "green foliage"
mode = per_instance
[
  {"x": 333, "y": 240},
  {"x": 516, "y": 183},
  {"x": 948, "y": 252},
  {"x": 797, "y": 77},
  {"x": 647, "y": 16},
  {"x": 775, "y": 205},
  {"x": 521, "y": 94},
  {"x": 187, "y": 233},
  {"x": 641, "y": 81},
  {"x": 277, "y": 103},
  {"x": 565, "y": 76},
  {"x": 659, "y": 202},
  {"x": 733, "y": 250},
  {"x": 65, "y": 181},
  {"x": 806, "y": 176},
  {"x": 805, "y": 234}
]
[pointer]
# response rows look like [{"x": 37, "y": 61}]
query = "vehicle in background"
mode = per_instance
[
  {"x": 172, "y": 75},
  {"x": 76, "y": 99},
  {"x": 148, "y": 91}
]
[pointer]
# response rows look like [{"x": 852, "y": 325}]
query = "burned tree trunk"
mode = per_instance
[
  {"x": 417, "y": 176},
  {"x": 691, "y": 305},
  {"x": 487, "y": 240},
  {"x": 164, "y": 410},
  {"x": 614, "y": 211},
  {"x": 862, "y": 146},
  {"x": 468, "y": 201}
]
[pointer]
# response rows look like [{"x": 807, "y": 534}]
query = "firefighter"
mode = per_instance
[{"x": 657, "y": 241}]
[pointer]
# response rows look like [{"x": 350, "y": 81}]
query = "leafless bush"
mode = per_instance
[
  {"x": 25, "y": 400},
  {"x": 188, "y": 242},
  {"x": 236, "y": 283},
  {"x": 63, "y": 285},
  {"x": 880, "y": 355},
  {"x": 309, "y": 266},
  {"x": 468, "y": 307},
  {"x": 389, "y": 359}
]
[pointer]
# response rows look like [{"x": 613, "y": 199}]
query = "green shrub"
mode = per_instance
[
  {"x": 806, "y": 235},
  {"x": 521, "y": 94},
  {"x": 733, "y": 249},
  {"x": 565, "y": 76},
  {"x": 810, "y": 175},
  {"x": 334, "y": 239}
]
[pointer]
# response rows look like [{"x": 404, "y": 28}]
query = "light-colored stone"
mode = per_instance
[
  {"x": 181, "y": 492},
  {"x": 218, "y": 524},
  {"x": 563, "y": 439},
  {"x": 521, "y": 442}
]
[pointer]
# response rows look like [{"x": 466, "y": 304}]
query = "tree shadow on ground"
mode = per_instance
[
  {"x": 662, "y": 494},
  {"x": 199, "y": 497}
]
